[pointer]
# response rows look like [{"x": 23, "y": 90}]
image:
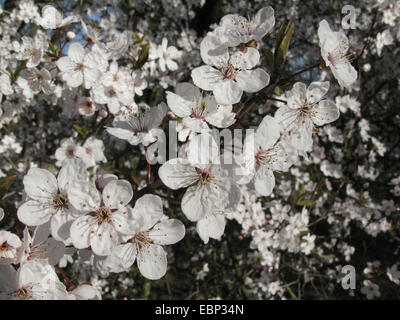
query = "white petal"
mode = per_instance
[
  {"x": 149, "y": 209},
  {"x": 203, "y": 150},
  {"x": 72, "y": 169},
  {"x": 195, "y": 125},
  {"x": 152, "y": 261},
  {"x": 8, "y": 278},
  {"x": 227, "y": 92},
  {"x": 81, "y": 231},
  {"x": 117, "y": 193},
  {"x": 76, "y": 52},
  {"x": 90, "y": 77},
  {"x": 263, "y": 22},
  {"x": 51, "y": 17},
  {"x": 40, "y": 184},
  {"x": 177, "y": 173},
  {"x": 188, "y": 91},
  {"x": 316, "y": 91},
  {"x": 245, "y": 60},
  {"x": 213, "y": 51},
  {"x": 87, "y": 292},
  {"x": 212, "y": 226},
  {"x": 84, "y": 196},
  {"x": 252, "y": 80},
  {"x": 264, "y": 181},
  {"x": 195, "y": 203},
  {"x": 167, "y": 232},
  {"x": 34, "y": 213},
  {"x": 268, "y": 133},
  {"x": 124, "y": 222},
  {"x": 223, "y": 117},
  {"x": 121, "y": 133},
  {"x": 122, "y": 258},
  {"x": 104, "y": 240},
  {"x": 60, "y": 226},
  {"x": 325, "y": 112},
  {"x": 65, "y": 64},
  {"x": 179, "y": 106},
  {"x": 206, "y": 77},
  {"x": 53, "y": 250},
  {"x": 345, "y": 74},
  {"x": 73, "y": 78}
]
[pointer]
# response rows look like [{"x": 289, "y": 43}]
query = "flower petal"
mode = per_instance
[
  {"x": 252, "y": 80},
  {"x": 167, "y": 232},
  {"x": 206, "y": 77},
  {"x": 34, "y": 213},
  {"x": 40, "y": 184},
  {"x": 152, "y": 261},
  {"x": 177, "y": 173},
  {"x": 84, "y": 196},
  {"x": 117, "y": 193},
  {"x": 227, "y": 92}
]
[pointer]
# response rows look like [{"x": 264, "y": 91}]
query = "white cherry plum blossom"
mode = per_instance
[
  {"x": 265, "y": 153},
  {"x": 334, "y": 47},
  {"x": 139, "y": 128},
  {"x": 229, "y": 75},
  {"x": 34, "y": 280},
  {"x": 234, "y": 30},
  {"x": 41, "y": 246},
  {"x": 53, "y": 19},
  {"x": 81, "y": 66},
  {"x": 153, "y": 231},
  {"x": 85, "y": 292},
  {"x": 105, "y": 216},
  {"x": 32, "y": 49},
  {"x": 167, "y": 56},
  {"x": 207, "y": 182},
  {"x": 5, "y": 85},
  {"x": 306, "y": 108},
  {"x": 197, "y": 110},
  {"x": 10, "y": 245},
  {"x": 48, "y": 198}
]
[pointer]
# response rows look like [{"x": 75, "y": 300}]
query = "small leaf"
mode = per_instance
[
  {"x": 305, "y": 203},
  {"x": 80, "y": 130},
  {"x": 268, "y": 58},
  {"x": 5, "y": 184},
  {"x": 282, "y": 45}
]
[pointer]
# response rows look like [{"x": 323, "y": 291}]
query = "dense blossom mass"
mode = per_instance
[{"x": 198, "y": 149}]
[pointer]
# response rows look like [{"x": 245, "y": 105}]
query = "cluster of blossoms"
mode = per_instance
[{"x": 84, "y": 101}]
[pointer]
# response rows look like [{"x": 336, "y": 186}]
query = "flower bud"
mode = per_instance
[{"x": 70, "y": 35}]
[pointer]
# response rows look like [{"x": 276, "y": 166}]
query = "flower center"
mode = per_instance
[
  {"x": 4, "y": 246},
  {"x": 23, "y": 293},
  {"x": 228, "y": 72},
  {"x": 79, "y": 67},
  {"x": 60, "y": 202},
  {"x": 264, "y": 157},
  {"x": 103, "y": 214},
  {"x": 141, "y": 238},
  {"x": 204, "y": 176},
  {"x": 199, "y": 112}
]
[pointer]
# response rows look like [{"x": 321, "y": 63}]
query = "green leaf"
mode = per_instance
[
  {"x": 282, "y": 44},
  {"x": 81, "y": 130},
  {"x": 305, "y": 203},
  {"x": 268, "y": 58},
  {"x": 5, "y": 184},
  {"x": 53, "y": 49},
  {"x": 277, "y": 91},
  {"x": 143, "y": 56}
]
